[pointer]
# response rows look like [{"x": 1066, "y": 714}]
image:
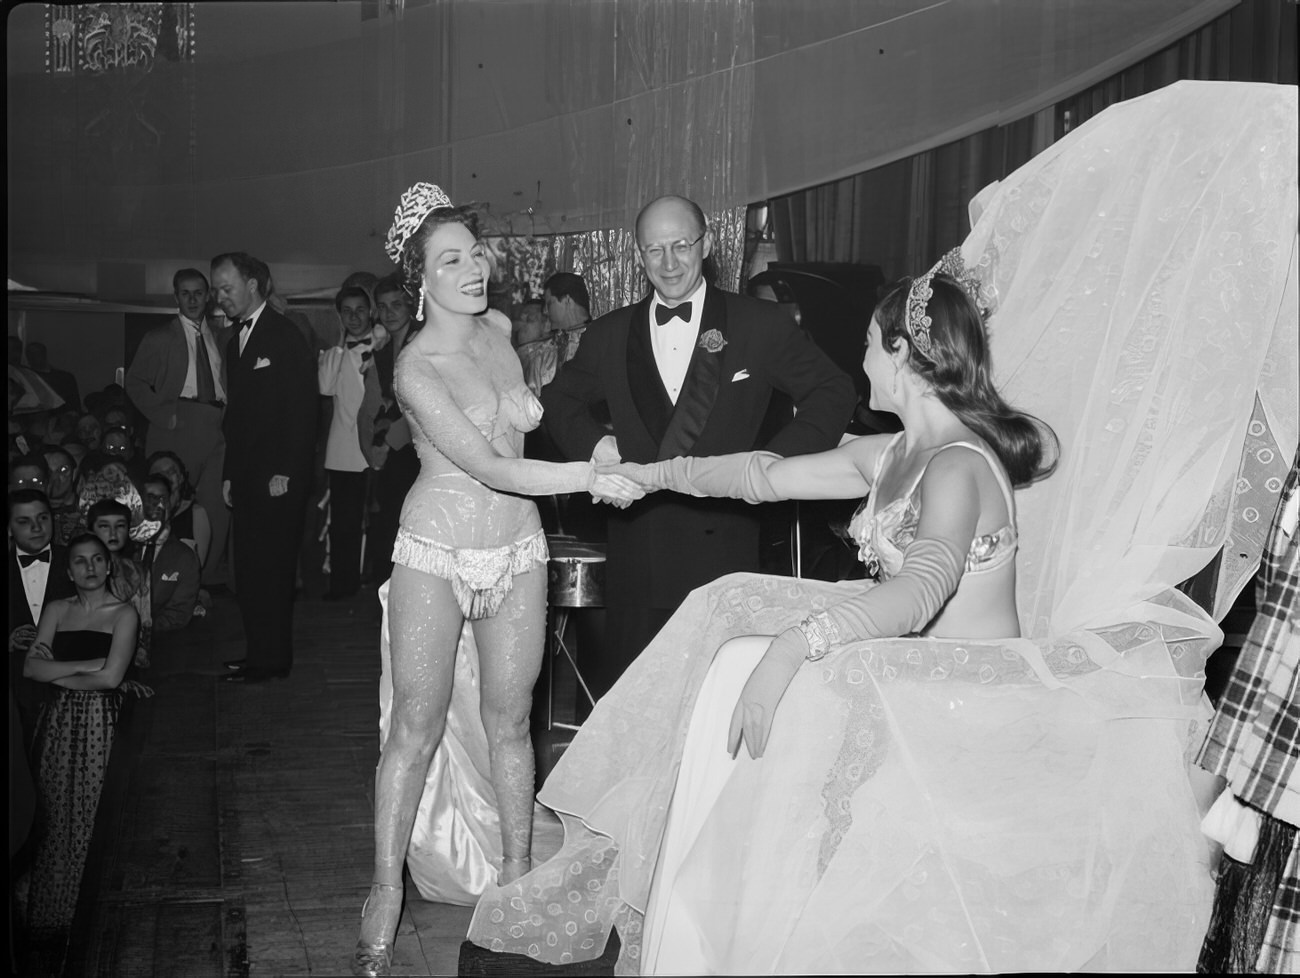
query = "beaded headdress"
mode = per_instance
[
  {"x": 412, "y": 209},
  {"x": 921, "y": 291}
]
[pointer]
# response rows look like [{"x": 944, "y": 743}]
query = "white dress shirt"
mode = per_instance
[
  {"x": 35, "y": 576},
  {"x": 244, "y": 334},
  {"x": 192, "y": 331},
  {"x": 674, "y": 342},
  {"x": 339, "y": 375}
]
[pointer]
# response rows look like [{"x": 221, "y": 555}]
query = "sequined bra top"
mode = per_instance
[{"x": 883, "y": 536}]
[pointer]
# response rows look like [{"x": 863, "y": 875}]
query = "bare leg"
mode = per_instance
[
  {"x": 511, "y": 645},
  {"x": 424, "y": 629}
]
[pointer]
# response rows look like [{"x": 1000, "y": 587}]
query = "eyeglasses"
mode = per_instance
[{"x": 681, "y": 249}]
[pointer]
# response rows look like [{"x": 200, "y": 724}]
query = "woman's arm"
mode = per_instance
[
  {"x": 38, "y": 665},
  {"x": 429, "y": 407},
  {"x": 119, "y": 657},
  {"x": 760, "y": 477}
]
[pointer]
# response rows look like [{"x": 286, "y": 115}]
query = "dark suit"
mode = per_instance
[
  {"x": 193, "y": 431},
  {"x": 667, "y": 544},
  {"x": 270, "y": 429},
  {"x": 174, "y": 586},
  {"x": 29, "y": 694}
]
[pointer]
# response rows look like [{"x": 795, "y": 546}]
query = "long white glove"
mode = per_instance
[
  {"x": 906, "y": 603},
  {"x": 742, "y": 475}
]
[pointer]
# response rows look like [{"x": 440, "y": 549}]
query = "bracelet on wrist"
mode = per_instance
[{"x": 821, "y": 633}]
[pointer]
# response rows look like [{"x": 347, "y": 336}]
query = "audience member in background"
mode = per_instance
[
  {"x": 173, "y": 568},
  {"x": 567, "y": 305},
  {"x": 117, "y": 442},
  {"x": 340, "y": 375},
  {"x": 382, "y": 432},
  {"x": 62, "y": 493},
  {"x": 83, "y": 649},
  {"x": 189, "y": 519},
  {"x": 176, "y": 381},
  {"x": 64, "y": 383},
  {"x": 29, "y": 472},
  {"x": 535, "y": 346},
  {"x": 110, "y": 520},
  {"x": 270, "y": 438},
  {"x": 62, "y": 426},
  {"x": 76, "y": 451},
  {"x": 89, "y": 430},
  {"x": 35, "y": 578}
]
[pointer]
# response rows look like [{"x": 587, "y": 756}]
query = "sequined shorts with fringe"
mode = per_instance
[{"x": 480, "y": 579}]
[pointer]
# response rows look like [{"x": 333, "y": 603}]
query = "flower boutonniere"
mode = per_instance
[{"x": 711, "y": 341}]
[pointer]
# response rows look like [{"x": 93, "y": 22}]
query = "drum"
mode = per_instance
[{"x": 575, "y": 575}]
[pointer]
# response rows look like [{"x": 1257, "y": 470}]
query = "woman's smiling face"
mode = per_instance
[{"x": 456, "y": 270}]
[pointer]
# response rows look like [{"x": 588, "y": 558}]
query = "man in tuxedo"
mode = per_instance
[
  {"x": 341, "y": 375},
  {"x": 688, "y": 370},
  {"x": 172, "y": 567},
  {"x": 177, "y": 382},
  {"x": 270, "y": 439},
  {"x": 38, "y": 573}
]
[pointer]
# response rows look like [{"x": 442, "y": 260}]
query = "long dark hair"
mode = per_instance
[
  {"x": 413, "y": 249},
  {"x": 957, "y": 368}
]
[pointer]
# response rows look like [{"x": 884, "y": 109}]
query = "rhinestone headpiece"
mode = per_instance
[
  {"x": 921, "y": 291},
  {"x": 412, "y": 209}
]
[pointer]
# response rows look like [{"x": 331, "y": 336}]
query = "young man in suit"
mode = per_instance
[
  {"x": 688, "y": 370},
  {"x": 177, "y": 382},
  {"x": 38, "y": 574},
  {"x": 173, "y": 567},
  {"x": 270, "y": 440}
]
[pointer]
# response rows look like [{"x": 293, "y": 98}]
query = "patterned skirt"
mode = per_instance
[{"x": 74, "y": 738}]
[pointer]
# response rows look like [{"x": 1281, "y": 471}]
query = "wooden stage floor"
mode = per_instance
[{"x": 238, "y": 839}]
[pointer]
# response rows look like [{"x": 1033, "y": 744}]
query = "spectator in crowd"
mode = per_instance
[
  {"x": 82, "y": 652},
  {"x": 116, "y": 441},
  {"x": 76, "y": 449},
  {"x": 340, "y": 374},
  {"x": 567, "y": 305},
  {"x": 534, "y": 344},
  {"x": 176, "y": 381},
  {"x": 35, "y": 578},
  {"x": 270, "y": 439},
  {"x": 61, "y": 490},
  {"x": 29, "y": 472},
  {"x": 89, "y": 430},
  {"x": 382, "y": 432},
  {"x": 64, "y": 383},
  {"x": 110, "y": 520},
  {"x": 173, "y": 568},
  {"x": 189, "y": 519}
]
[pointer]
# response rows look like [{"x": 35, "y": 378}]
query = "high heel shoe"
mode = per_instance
[{"x": 372, "y": 959}]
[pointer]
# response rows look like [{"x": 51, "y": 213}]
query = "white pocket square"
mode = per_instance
[
  {"x": 261, "y": 362},
  {"x": 173, "y": 576},
  {"x": 740, "y": 375}
]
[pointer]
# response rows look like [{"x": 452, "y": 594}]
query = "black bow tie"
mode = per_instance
[
  {"x": 241, "y": 323},
  {"x": 26, "y": 560},
  {"x": 665, "y": 315},
  {"x": 364, "y": 341}
]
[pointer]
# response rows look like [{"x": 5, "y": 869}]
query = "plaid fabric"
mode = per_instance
[
  {"x": 1279, "y": 954},
  {"x": 1254, "y": 741}
]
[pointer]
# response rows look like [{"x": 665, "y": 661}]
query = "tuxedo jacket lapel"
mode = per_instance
[
  {"x": 700, "y": 389},
  {"x": 649, "y": 396}
]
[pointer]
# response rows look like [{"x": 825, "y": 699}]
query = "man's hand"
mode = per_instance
[
  {"x": 378, "y": 456},
  {"x": 225, "y": 493},
  {"x": 606, "y": 451},
  {"x": 279, "y": 485},
  {"x": 21, "y": 638},
  {"x": 615, "y": 490}
]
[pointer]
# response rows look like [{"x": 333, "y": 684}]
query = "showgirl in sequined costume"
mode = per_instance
[{"x": 470, "y": 548}]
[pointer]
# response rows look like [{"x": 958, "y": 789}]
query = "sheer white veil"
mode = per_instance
[{"x": 1143, "y": 277}]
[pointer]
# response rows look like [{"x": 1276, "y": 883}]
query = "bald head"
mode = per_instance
[{"x": 674, "y": 207}]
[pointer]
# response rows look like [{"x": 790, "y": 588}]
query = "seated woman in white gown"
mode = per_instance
[{"x": 1009, "y": 789}]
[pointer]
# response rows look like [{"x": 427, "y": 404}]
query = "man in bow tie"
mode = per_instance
[
  {"x": 177, "y": 381},
  {"x": 38, "y": 574},
  {"x": 341, "y": 374},
  {"x": 688, "y": 370},
  {"x": 270, "y": 432}
]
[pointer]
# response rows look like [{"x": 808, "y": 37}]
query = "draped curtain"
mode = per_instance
[{"x": 902, "y": 216}]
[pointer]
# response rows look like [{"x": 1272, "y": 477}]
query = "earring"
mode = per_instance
[{"x": 419, "y": 310}]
